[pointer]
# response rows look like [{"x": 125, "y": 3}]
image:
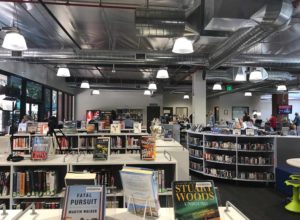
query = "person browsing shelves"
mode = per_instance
[{"x": 128, "y": 122}]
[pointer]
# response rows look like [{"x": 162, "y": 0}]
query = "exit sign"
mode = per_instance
[{"x": 229, "y": 88}]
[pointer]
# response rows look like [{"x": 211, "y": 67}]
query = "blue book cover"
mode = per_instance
[{"x": 84, "y": 202}]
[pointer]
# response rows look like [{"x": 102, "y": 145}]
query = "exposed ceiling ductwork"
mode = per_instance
[{"x": 276, "y": 14}]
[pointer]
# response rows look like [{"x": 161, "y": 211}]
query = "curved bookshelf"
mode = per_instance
[{"x": 207, "y": 139}]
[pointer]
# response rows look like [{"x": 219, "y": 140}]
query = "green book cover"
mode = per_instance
[
  {"x": 195, "y": 200},
  {"x": 101, "y": 150}
]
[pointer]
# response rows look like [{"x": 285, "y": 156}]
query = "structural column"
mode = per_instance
[
  {"x": 199, "y": 99},
  {"x": 277, "y": 100}
]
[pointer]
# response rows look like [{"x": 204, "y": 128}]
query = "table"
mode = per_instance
[
  {"x": 295, "y": 162},
  {"x": 122, "y": 214}
]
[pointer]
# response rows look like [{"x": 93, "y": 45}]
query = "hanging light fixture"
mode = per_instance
[
  {"x": 241, "y": 75},
  {"x": 85, "y": 85},
  {"x": 217, "y": 86},
  {"x": 183, "y": 46},
  {"x": 113, "y": 69},
  {"x": 95, "y": 92},
  {"x": 248, "y": 93},
  {"x": 258, "y": 74},
  {"x": 63, "y": 72},
  {"x": 162, "y": 73},
  {"x": 186, "y": 97},
  {"x": 13, "y": 40},
  {"x": 147, "y": 92},
  {"x": 152, "y": 86},
  {"x": 281, "y": 88}
]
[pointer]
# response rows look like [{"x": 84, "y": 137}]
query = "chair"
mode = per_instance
[{"x": 294, "y": 205}]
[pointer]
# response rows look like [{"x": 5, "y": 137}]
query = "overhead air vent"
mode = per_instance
[
  {"x": 159, "y": 23},
  {"x": 16, "y": 53},
  {"x": 140, "y": 56}
]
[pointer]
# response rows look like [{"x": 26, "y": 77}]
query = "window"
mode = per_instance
[
  {"x": 54, "y": 103},
  {"x": 33, "y": 91},
  {"x": 60, "y": 106},
  {"x": 47, "y": 103}
]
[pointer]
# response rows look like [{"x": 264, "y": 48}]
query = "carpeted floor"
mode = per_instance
[{"x": 257, "y": 202}]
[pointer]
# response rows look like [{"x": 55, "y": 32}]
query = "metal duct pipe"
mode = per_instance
[
  {"x": 159, "y": 23},
  {"x": 280, "y": 76},
  {"x": 276, "y": 15}
]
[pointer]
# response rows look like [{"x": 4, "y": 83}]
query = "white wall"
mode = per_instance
[
  {"x": 226, "y": 102},
  {"x": 176, "y": 100},
  {"x": 108, "y": 100},
  {"x": 36, "y": 72}
]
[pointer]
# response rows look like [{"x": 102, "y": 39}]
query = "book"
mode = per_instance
[
  {"x": 115, "y": 128},
  {"x": 140, "y": 188},
  {"x": 195, "y": 200},
  {"x": 84, "y": 202},
  {"x": 22, "y": 128},
  {"x": 137, "y": 127},
  {"x": 148, "y": 148},
  {"x": 40, "y": 148},
  {"x": 101, "y": 150},
  {"x": 85, "y": 178}
]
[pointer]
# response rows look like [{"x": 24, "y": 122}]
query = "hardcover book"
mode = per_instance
[
  {"x": 40, "y": 148},
  {"x": 195, "y": 200},
  {"x": 84, "y": 202},
  {"x": 101, "y": 150},
  {"x": 140, "y": 190},
  {"x": 148, "y": 148},
  {"x": 115, "y": 128},
  {"x": 137, "y": 127}
]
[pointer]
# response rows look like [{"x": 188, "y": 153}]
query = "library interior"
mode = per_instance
[{"x": 155, "y": 109}]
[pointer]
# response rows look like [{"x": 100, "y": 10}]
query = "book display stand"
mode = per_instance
[{"x": 130, "y": 201}]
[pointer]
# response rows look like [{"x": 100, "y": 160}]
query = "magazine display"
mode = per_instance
[
  {"x": 84, "y": 202},
  {"x": 148, "y": 148},
  {"x": 195, "y": 200},
  {"x": 141, "y": 190},
  {"x": 101, "y": 150}
]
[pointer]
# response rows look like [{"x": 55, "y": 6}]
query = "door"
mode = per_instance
[{"x": 152, "y": 112}]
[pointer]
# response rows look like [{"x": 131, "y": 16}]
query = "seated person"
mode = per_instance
[
  {"x": 128, "y": 122},
  {"x": 292, "y": 130}
]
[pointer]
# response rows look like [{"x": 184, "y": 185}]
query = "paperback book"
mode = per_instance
[
  {"x": 101, "y": 150},
  {"x": 140, "y": 190},
  {"x": 84, "y": 202},
  {"x": 40, "y": 148},
  {"x": 195, "y": 200},
  {"x": 137, "y": 127}
]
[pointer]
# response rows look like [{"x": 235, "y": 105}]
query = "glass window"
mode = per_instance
[
  {"x": 66, "y": 110},
  {"x": 70, "y": 107},
  {"x": 54, "y": 103},
  {"x": 15, "y": 82},
  {"x": 33, "y": 91},
  {"x": 47, "y": 99},
  {"x": 60, "y": 106}
]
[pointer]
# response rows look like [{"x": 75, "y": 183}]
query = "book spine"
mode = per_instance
[
  {"x": 6, "y": 187},
  {"x": 52, "y": 183},
  {"x": 48, "y": 183},
  {"x": 15, "y": 182},
  {"x": 163, "y": 185},
  {"x": 27, "y": 183},
  {"x": 44, "y": 183},
  {"x": 22, "y": 184}
]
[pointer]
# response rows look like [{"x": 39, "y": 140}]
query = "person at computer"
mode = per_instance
[{"x": 128, "y": 122}]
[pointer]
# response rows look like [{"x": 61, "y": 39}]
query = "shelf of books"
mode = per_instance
[
  {"x": 108, "y": 173},
  {"x": 233, "y": 157}
]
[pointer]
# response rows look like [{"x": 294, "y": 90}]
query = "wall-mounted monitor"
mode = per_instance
[{"x": 285, "y": 109}]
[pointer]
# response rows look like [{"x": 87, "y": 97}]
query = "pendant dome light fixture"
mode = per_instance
[
  {"x": 217, "y": 87},
  {"x": 13, "y": 39},
  {"x": 152, "y": 86},
  {"x": 147, "y": 92},
  {"x": 183, "y": 46},
  {"x": 162, "y": 73},
  {"x": 85, "y": 85},
  {"x": 186, "y": 97},
  {"x": 248, "y": 94},
  {"x": 63, "y": 71},
  {"x": 281, "y": 88},
  {"x": 95, "y": 92}
]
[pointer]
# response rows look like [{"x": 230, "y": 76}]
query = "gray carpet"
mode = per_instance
[{"x": 258, "y": 202}]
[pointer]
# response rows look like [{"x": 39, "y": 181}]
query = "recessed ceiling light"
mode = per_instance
[
  {"x": 162, "y": 73},
  {"x": 63, "y": 72},
  {"x": 85, "y": 85},
  {"x": 217, "y": 86},
  {"x": 183, "y": 46}
]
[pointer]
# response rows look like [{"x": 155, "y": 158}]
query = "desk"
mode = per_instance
[
  {"x": 122, "y": 214},
  {"x": 295, "y": 162}
]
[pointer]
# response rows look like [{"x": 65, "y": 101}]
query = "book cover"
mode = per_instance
[
  {"x": 101, "y": 150},
  {"x": 137, "y": 127},
  {"x": 84, "y": 202},
  {"x": 140, "y": 186},
  {"x": 22, "y": 128},
  {"x": 148, "y": 148},
  {"x": 115, "y": 128},
  {"x": 40, "y": 148},
  {"x": 195, "y": 200}
]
